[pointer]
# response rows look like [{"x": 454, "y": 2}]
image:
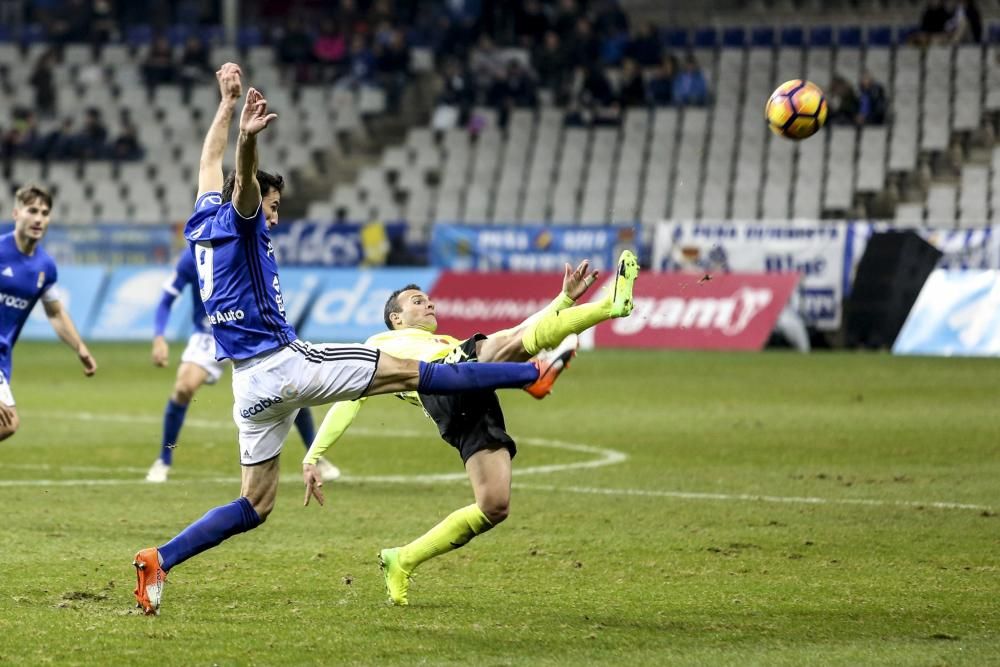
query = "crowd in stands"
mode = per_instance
[
  {"x": 951, "y": 22},
  {"x": 867, "y": 105}
]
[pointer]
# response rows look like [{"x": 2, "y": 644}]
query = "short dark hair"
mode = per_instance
[
  {"x": 30, "y": 192},
  {"x": 267, "y": 182},
  {"x": 392, "y": 304}
]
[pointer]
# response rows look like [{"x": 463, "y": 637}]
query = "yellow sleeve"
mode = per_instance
[{"x": 337, "y": 420}]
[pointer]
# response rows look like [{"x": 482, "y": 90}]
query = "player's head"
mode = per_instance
[
  {"x": 271, "y": 186},
  {"x": 410, "y": 307},
  {"x": 32, "y": 207}
]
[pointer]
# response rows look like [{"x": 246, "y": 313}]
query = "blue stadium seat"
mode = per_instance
[
  {"x": 138, "y": 35},
  {"x": 213, "y": 34},
  {"x": 5, "y": 35},
  {"x": 880, "y": 35},
  {"x": 249, "y": 36},
  {"x": 675, "y": 38},
  {"x": 903, "y": 33},
  {"x": 849, "y": 35},
  {"x": 705, "y": 38},
  {"x": 178, "y": 33},
  {"x": 762, "y": 36},
  {"x": 792, "y": 36},
  {"x": 33, "y": 33},
  {"x": 734, "y": 37},
  {"x": 993, "y": 33},
  {"x": 821, "y": 35}
]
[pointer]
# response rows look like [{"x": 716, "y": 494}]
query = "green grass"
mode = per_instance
[{"x": 587, "y": 570}]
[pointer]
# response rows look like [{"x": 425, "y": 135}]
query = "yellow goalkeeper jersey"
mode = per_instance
[{"x": 414, "y": 344}]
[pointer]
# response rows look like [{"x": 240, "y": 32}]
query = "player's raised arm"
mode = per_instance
[
  {"x": 340, "y": 416},
  {"x": 246, "y": 189},
  {"x": 210, "y": 176},
  {"x": 64, "y": 328}
]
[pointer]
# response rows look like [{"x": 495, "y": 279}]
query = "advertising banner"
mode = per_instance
[
  {"x": 820, "y": 254},
  {"x": 308, "y": 243},
  {"x": 467, "y": 303},
  {"x": 349, "y": 304},
  {"x": 128, "y": 309},
  {"x": 530, "y": 248},
  {"x": 956, "y": 314},
  {"x": 730, "y": 311},
  {"x": 108, "y": 244},
  {"x": 79, "y": 288}
]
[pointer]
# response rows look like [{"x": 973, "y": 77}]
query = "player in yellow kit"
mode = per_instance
[{"x": 472, "y": 422}]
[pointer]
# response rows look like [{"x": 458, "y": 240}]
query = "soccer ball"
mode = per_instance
[{"x": 796, "y": 109}]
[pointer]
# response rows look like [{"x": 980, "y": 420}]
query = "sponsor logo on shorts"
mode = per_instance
[
  {"x": 13, "y": 301},
  {"x": 220, "y": 317},
  {"x": 259, "y": 407}
]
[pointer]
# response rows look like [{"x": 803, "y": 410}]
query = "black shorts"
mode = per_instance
[{"x": 472, "y": 421}]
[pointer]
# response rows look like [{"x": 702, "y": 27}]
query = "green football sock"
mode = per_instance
[
  {"x": 549, "y": 331},
  {"x": 455, "y": 531}
]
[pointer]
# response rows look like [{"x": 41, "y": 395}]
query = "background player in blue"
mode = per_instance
[
  {"x": 27, "y": 274},
  {"x": 274, "y": 373},
  {"x": 199, "y": 366}
]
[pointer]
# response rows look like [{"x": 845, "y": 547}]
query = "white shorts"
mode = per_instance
[
  {"x": 200, "y": 351},
  {"x": 6, "y": 397},
  {"x": 268, "y": 391}
]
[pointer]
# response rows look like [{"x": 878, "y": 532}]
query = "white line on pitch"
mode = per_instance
[{"x": 748, "y": 497}]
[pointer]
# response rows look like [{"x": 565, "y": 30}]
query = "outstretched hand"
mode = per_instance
[
  {"x": 87, "y": 359},
  {"x": 230, "y": 85},
  {"x": 255, "y": 116},
  {"x": 314, "y": 484},
  {"x": 577, "y": 282}
]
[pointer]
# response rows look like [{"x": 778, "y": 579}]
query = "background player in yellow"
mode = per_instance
[{"x": 472, "y": 423}]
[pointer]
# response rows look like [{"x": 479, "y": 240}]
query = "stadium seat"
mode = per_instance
[
  {"x": 705, "y": 38},
  {"x": 941, "y": 206},
  {"x": 849, "y": 36},
  {"x": 879, "y": 36},
  {"x": 674, "y": 38},
  {"x": 734, "y": 37},
  {"x": 820, "y": 36},
  {"x": 762, "y": 36},
  {"x": 910, "y": 214},
  {"x": 792, "y": 36}
]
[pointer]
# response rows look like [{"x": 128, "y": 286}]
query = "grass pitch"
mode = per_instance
[{"x": 738, "y": 509}]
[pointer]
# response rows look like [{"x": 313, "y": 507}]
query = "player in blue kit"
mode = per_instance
[
  {"x": 274, "y": 373},
  {"x": 27, "y": 274},
  {"x": 198, "y": 367}
]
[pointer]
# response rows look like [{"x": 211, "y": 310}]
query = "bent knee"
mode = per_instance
[
  {"x": 183, "y": 393},
  {"x": 495, "y": 509}
]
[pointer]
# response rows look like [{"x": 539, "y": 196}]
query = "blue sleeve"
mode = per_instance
[
  {"x": 208, "y": 199},
  {"x": 163, "y": 313}
]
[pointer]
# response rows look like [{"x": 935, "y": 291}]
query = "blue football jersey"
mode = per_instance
[
  {"x": 237, "y": 279},
  {"x": 186, "y": 274},
  {"x": 23, "y": 279}
]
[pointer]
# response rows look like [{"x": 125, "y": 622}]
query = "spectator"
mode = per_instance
[
  {"x": 43, "y": 81},
  {"x": 21, "y": 139},
  {"x": 350, "y": 19},
  {"x": 965, "y": 24},
  {"x": 584, "y": 47},
  {"x": 661, "y": 84},
  {"x": 514, "y": 89},
  {"x": 689, "y": 87},
  {"x": 872, "y": 104},
  {"x": 566, "y": 17},
  {"x": 295, "y": 50},
  {"x": 932, "y": 23},
  {"x": 60, "y": 143},
  {"x": 329, "y": 49},
  {"x": 93, "y": 138},
  {"x": 458, "y": 95},
  {"x": 645, "y": 47},
  {"x": 159, "y": 66},
  {"x": 393, "y": 62},
  {"x": 71, "y": 22},
  {"x": 103, "y": 28},
  {"x": 194, "y": 65},
  {"x": 552, "y": 65},
  {"x": 360, "y": 64},
  {"x": 126, "y": 145},
  {"x": 597, "y": 90},
  {"x": 843, "y": 102},
  {"x": 632, "y": 92},
  {"x": 486, "y": 62},
  {"x": 530, "y": 23},
  {"x": 609, "y": 19}
]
